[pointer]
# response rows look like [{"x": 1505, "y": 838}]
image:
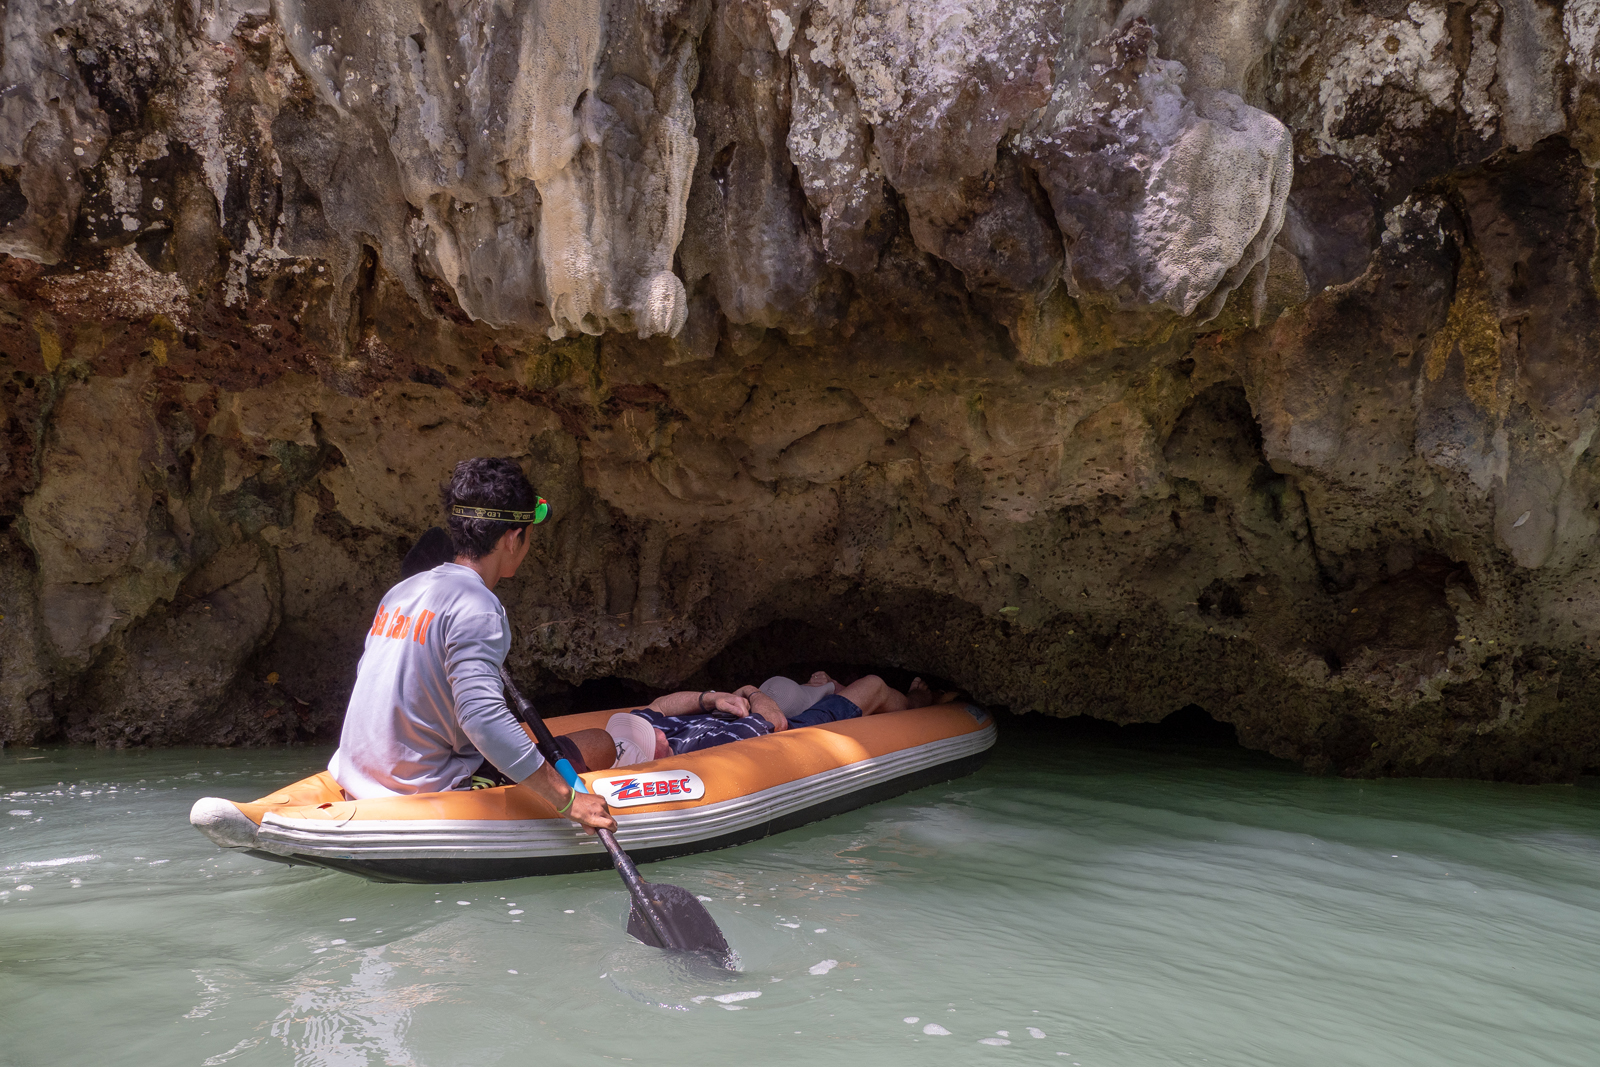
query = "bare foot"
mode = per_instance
[
  {"x": 918, "y": 695},
  {"x": 820, "y": 678}
]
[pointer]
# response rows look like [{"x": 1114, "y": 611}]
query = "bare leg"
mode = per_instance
[
  {"x": 918, "y": 695},
  {"x": 598, "y": 748},
  {"x": 873, "y": 695}
]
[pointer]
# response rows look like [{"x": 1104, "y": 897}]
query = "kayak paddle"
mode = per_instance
[{"x": 664, "y": 916}]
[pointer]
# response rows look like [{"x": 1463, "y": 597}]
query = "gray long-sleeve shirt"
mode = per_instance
[{"x": 428, "y": 706}]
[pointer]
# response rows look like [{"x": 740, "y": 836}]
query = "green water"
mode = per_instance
[{"x": 1091, "y": 905}]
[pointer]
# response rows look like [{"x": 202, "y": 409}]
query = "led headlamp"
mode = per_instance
[{"x": 519, "y": 518}]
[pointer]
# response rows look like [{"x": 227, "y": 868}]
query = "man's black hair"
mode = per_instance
[{"x": 484, "y": 482}]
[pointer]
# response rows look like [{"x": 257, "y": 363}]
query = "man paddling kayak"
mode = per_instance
[{"x": 428, "y": 712}]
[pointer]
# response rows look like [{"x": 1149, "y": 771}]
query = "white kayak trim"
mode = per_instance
[{"x": 387, "y": 839}]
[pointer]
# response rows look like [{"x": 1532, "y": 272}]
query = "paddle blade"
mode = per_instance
[{"x": 691, "y": 926}]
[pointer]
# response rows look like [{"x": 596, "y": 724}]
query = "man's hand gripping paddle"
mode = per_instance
[{"x": 664, "y": 916}]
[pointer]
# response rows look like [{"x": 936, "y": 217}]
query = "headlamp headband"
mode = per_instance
[{"x": 520, "y": 518}]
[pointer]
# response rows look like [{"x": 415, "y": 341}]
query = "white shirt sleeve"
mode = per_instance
[{"x": 475, "y": 647}]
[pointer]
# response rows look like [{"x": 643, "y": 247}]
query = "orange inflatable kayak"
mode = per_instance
[{"x": 670, "y": 807}]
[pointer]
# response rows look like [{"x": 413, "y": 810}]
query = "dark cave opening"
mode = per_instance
[
  {"x": 892, "y": 640},
  {"x": 860, "y": 642},
  {"x": 595, "y": 694},
  {"x": 867, "y": 641},
  {"x": 1190, "y": 726},
  {"x": 602, "y": 694}
]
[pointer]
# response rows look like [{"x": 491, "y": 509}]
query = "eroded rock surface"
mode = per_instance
[{"x": 1103, "y": 359}]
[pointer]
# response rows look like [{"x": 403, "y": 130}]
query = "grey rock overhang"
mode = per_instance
[{"x": 536, "y": 157}]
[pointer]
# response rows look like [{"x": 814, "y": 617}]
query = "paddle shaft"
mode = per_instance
[
  {"x": 546, "y": 743},
  {"x": 635, "y": 884}
]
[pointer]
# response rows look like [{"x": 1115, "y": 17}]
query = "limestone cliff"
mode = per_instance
[{"x": 1103, "y": 358}]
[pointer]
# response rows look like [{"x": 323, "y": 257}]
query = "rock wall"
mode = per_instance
[{"x": 1102, "y": 358}]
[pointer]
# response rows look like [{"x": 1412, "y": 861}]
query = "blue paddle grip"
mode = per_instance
[{"x": 564, "y": 769}]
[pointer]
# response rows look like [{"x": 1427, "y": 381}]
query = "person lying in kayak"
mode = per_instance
[
  {"x": 428, "y": 712},
  {"x": 794, "y": 699},
  {"x": 684, "y": 722}
]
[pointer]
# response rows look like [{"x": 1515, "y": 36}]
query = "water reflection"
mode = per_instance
[{"x": 352, "y": 1024}]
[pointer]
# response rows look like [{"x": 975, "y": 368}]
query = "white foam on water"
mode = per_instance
[
  {"x": 31, "y": 864},
  {"x": 820, "y": 930},
  {"x": 734, "y": 998},
  {"x": 317, "y": 950},
  {"x": 935, "y": 1030},
  {"x": 1003, "y": 1033},
  {"x": 824, "y": 967},
  {"x": 993, "y": 1041},
  {"x": 698, "y": 1000},
  {"x": 24, "y": 888},
  {"x": 569, "y": 911},
  {"x": 733, "y": 1007},
  {"x": 349, "y": 920},
  {"x": 702, "y": 899},
  {"x": 514, "y": 972},
  {"x": 337, "y": 941},
  {"x": 19, "y": 811},
  {"x": 464, "y": 903},
  {"x": 1034, "y": 1031},
  {"x": 514, "y": 911},
  {"x": 912, "y": 1019},
  {"x": 792, "y": 926}
]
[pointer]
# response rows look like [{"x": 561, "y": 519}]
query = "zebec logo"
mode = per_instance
[{"x": 653, "y": 787}]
